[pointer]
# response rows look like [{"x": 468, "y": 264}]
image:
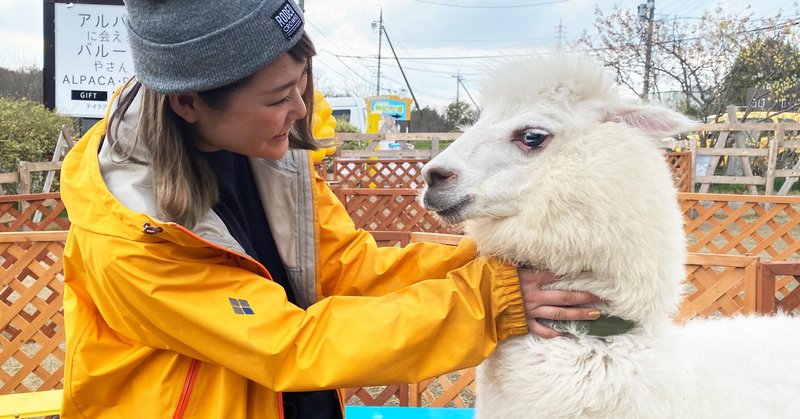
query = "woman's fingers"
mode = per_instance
[
  {"x": 563, "y": 313},
  {"x": 552, "y": 304},
  {"x": 559, "y": 298}
]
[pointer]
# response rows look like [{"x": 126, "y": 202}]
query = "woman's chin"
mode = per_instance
[{"x": 275, "y": 149}]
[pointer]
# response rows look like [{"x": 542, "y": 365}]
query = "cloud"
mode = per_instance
[{"x": 20, "y": 49}]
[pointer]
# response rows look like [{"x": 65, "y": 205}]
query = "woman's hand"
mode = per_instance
[{"x": 552, "y": 304}]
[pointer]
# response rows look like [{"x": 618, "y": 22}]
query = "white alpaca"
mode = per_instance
[{"x": 561, "y": 172}]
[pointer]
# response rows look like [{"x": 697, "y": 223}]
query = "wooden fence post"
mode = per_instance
[
  {"x": 772, "y": 160},
  {"x": 24, "y": 178}
]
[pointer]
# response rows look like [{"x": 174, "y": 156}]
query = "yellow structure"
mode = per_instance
[
  {"x": 27, "y": 405},
  {"x": 323, "y": 126}
]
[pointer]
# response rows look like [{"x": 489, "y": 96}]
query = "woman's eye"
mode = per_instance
[
  {"x": 281, "y": 102},
  {"x": 533, "y": 138}
]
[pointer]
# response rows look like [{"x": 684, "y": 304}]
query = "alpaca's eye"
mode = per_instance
[{"x": 532, "y": 137}]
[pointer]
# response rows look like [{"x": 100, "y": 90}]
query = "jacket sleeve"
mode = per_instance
[
  {"x": 190, "y": 300},
  {"x": 351, "y": 263}
]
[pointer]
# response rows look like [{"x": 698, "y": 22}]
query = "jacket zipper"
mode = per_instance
[{"x": 188, "y": 384}]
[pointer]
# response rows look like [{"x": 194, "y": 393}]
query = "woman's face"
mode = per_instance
[{"x": 256, "y": 119}]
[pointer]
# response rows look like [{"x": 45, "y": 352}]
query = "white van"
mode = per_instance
[{"x": 351, "y": 109}]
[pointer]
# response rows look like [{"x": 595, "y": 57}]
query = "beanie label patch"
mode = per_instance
[{"x": 288, "y": 19}]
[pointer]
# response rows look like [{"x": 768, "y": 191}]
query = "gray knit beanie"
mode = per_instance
[{"x": 195, "y": 45}]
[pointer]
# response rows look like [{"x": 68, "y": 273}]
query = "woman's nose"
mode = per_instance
[{"x": 298, "y": 105}]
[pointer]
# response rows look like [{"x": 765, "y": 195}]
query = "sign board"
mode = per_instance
[
  {"x": 92, "y": 57},
  {"x": 394, "y": 106}
]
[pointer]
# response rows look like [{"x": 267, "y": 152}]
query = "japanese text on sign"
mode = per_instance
[{"x": 92, "y": 57}]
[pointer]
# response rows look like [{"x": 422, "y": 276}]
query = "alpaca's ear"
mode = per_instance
[{"x": 654, "y": 120}]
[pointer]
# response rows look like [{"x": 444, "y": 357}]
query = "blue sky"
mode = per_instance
[{"x": 432, "y": 37}]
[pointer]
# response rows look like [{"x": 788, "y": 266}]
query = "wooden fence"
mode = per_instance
[
  {"x": 36, "y": 212},
  {"x": 766, "y": 226},
  {"x": 396, "y": 209},
  {"x": 384, "y": 173},
  {"x": 680, "y": 163},
  {"x": 739, "y": 227},
  {"x": 752, "y": 151},
  {"x": 32, "y": 319},
  {"x": 22, "y": 178}
]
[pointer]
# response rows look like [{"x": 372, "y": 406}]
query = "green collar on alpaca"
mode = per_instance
[{"x": 603, "y": 327}]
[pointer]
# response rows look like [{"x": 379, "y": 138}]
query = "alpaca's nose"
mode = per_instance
[{"x": 437, "y": 174}]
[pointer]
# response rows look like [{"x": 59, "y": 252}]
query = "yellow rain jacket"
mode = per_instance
[{"x": 163, "y": 321}]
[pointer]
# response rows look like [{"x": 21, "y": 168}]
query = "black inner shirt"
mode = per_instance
[{"x": 240, "y": 208}]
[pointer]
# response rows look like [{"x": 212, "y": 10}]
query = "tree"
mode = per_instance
[
  {"x": 427, "y": 119},
  {"x": 28, "y": 132},
  {"x": 768, "y": 69},
  {"x": 459, "y": 114},
  {"x": 693, "y": 58},
  {"x": 21, "y": 84}
]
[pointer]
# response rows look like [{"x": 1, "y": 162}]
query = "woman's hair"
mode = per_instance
[{"x": 185, "y": 185}]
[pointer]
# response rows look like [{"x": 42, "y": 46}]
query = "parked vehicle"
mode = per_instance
[{"x": 351, "y": 109}]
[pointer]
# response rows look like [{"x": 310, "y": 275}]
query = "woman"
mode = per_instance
[{"x": 209, "y": 273}]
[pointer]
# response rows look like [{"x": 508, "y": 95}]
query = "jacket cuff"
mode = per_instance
[{"x": 506, "y": 292}]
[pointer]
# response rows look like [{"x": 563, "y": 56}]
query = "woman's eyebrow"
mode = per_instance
[{"x": 284, "y": 86}]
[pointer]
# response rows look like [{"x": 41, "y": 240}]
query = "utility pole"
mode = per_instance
[
  {"x": 380, "y": 39},
  {"x": 647, "y": 11},
  {"x": 458, "y": 85},
  {"x": 559, "y": 33}
]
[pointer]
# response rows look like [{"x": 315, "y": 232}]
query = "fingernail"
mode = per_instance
[{"x": 594, "y": 315}]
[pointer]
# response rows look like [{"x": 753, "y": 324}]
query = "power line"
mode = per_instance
[
  {"x": 476, "y": 57},
  {"x": 348, "y": 67},
  {"x": 461, "y": 6},
  {"x": 465, "y": 41}
]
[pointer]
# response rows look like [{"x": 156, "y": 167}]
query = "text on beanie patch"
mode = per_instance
[{"x": 288, "y": 19}]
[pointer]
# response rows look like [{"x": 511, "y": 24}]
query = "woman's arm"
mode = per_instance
[
  {"x": 351, "y": 263},
  {"x": 186, "y": 299}
]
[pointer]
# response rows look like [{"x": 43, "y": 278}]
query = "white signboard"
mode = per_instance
[{"x": 92, "y": 57}]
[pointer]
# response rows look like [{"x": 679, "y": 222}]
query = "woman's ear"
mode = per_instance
[{"x": 186, "y": 105}]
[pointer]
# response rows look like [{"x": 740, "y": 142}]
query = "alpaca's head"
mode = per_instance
[{"x": 562, "y": 172}]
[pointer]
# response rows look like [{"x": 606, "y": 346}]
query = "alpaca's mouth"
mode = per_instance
[{"x": 453, "y": 214}]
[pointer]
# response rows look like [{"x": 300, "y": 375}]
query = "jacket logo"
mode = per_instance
[{"x": 240, "y": 306}]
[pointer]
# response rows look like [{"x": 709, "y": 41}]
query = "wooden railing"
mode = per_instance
[
  {"x": 727, "y": 141},
  {"x": 22, "y": 177}
]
